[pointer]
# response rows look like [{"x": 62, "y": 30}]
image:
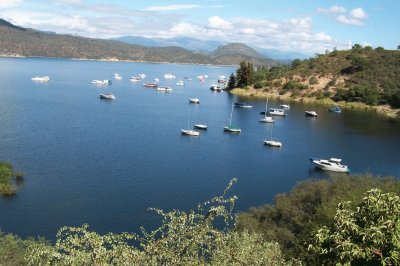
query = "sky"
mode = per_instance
[{"x": 309, "y": 27}]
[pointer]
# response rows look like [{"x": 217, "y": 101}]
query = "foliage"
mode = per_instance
[
  {"x": 244, "y": 74},
  {"x": 231, "y": 81},
  {"x": 184, "y": 238},
  {"x": 313, "y": 80},
  {"x": 358, "y": 93},
  {"x": 6, "y": 175},
  {"x": 294, "y": 216},
  {"x": 367, "y": 234}
]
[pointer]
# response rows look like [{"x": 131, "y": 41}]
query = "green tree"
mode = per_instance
[
  {"x": 231, "y": 81},
  {"x": 244, "y": 74},
  {"x": 366, "y": 235}
]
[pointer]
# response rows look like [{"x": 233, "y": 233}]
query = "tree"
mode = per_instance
[
  {"x": 398, "y": 47},
  {"x": 244, "y": 74},
  {"x": 231, "y": 81},
  {"x": 366, "y": 235},
  {"x": 356, "y": 46}
]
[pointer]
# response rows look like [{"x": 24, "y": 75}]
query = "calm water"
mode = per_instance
[{"x": 104, "y": 163}]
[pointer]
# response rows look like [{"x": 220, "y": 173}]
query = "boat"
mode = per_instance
[
  {"x": 335, "y": 109},
  {"x": 157, "y": 80},
  {"x": 142, "y": 76},
  {"x": 150, "y": 85},
  {"x": 101, "y": 82},
  {"x": 243, "y": 105},
  {"x": 202, "y": 77},
  {"x": 164, "y": 89},
  {"x": 267, "y": 119},
  {"x": 180, "y": 83},
  {"x": 231, "y": 128},
  {"x": 215, "y": 88},
  {"x": 194, "y": 100},
  {"x": 285, "y": 106},
  {"x": 169, "y": 76},
  {"x": 135, "y": 79},
  {"x": 221, "y": 79},
  {"x": 107, "y": 96},
  {"x": 311, "y": 113},
  {"x": 276, "y": 111},
  {"x": 200, "y": 126},
  {"x": 333, "y": 164},
  {"x": 41, "y": 79},
  {"x": 271, "y": 142},
  {"x": 190, "y": 132},
  {"x": 117, "y": 76}
]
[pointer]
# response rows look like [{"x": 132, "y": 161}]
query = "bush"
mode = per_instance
[{"x": 313, "y": 80}]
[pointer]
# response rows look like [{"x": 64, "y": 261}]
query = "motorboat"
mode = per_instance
[
  {"x": 194, "y": 100},
  {"x": 180, "y": 83},
  {"x": 101, "y": 82},
  {"x": 190, "y": 132},
  {"x": 215, "y": 88},
  {"x": 243, "y": 105},
  {"x": 311, "y": 113},
  {"x": 150, "y": 85},
  {"x": 273, "y": 143},
  {"x": 202, "y": 77},
  {"x": 231, "y": 128},
  {"x": 335, "y": 109},
  {"x": 142, "y": 76},
  {"x": 107, "y": 96},
  {"x": 135, "y": 79},
  {"x": 41, "y": 79},
  {"x": 169, "y": 76},
  {"x": 200, "y": 126},
  {"x": 117, "y": 76},
  {"x": 164, "y": 89},
  {"x": 285, "y": 106},
  {"x": 333, "y": 164},
  {"x": 276, "y": 111},
  {"x": 221, "y": 79}
]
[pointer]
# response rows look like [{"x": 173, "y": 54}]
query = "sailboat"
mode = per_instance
[
  {"x": 271, "y": 142},
  {"x": 232, "y": 128},
  {"x": 267, "y": 119},
  {"x": 190, "y": 132}
]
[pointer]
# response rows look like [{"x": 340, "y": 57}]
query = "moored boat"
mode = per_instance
[
  {"x": 169, "y": 76},
  {"x": 333, "y": 164},
  {"x": 180, "y": 83},
  {"x": 335, "y": 109},
  {"x": 200, "y": 126},
  {"x": 273, "y": 143},
  {"x": 135, "y": 79},
  {"x": 117, "y": 76},
  {"x": 285, "y": 106},
  {"x": 101, "y": 82},
  {"x": 275, "y": 111},
  {"x": 107, "y": 96},
  {"x": 164, "y": 89},
  {"x": 311, "y": 113},
  {"x": 242, "y": 105},
  {"x": 190, "y": 132},
  {"x": 150, "y": 85},
  {"x": 215, "y": 88},
  {"x": 41, "y": 79},
  {"x": 194, "y": 100},
  {"x": 231, "y": 128}
]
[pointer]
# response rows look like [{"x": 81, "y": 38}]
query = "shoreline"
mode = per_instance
[{"x": 384, "y": 110}]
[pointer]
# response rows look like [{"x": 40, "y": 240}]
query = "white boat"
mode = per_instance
[
  {"x": 101, "y": 82},
  {"x": 156, "y": 80},
  {"x": 311, "y": 113},
  {"x": 277, "y": 112},
  {"x": 180, "y": 83},
  {"x": 164, "y": 89},
  {"x": 194, "y": 100},
  {"x": 117, "y": 76},
  {"x": 190, "y": 132},
  {"x": 333, "y": 164},
  {"x": 285, "y": 106},
  {"x": 202, "y": 77},
  {"x": 135, "y": 79},
  {"x": 41, "y": 79},
  {"x": 200, "y": 126},
  {"x": 267, "y": 119},
  {"x": 142, "y": 76},
  {"x": 169, "y": 76},
  {"x": 243, "y": 105},
  {"x": 273, "y": 143},
  {"x": 215, "y": 88},
  {"x": 107, "y": 96},
  {"x": 231, "y": 128}
]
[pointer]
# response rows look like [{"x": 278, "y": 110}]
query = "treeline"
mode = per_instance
[
  {"x": 362, "y": 74},
  {"x": 347, "y": 220},
  {"x": 9, "y": 180}
]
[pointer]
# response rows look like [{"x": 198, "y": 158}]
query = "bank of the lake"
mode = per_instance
[{"x": 250, "y": 92}]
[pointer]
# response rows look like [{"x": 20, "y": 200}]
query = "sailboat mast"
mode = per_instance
[{"x": 230, "y": 120}]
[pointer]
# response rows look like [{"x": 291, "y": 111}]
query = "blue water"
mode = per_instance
[{"x": 106, "y": 162}]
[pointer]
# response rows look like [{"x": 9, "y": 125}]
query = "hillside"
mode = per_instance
[
  {"x": 238, "y": 52},
  {"x": 362, "y": 74},
  {"x": 17, "y": 41}
]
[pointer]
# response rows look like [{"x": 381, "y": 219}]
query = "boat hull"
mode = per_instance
[
  {"x": 232, "y": 130},
  {"x": 273, "y": 143},
  {"x": 190, "y": 133}
]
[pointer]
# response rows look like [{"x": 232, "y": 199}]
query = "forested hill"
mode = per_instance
[
  {"x": 18, "y": 41},
  {"x": 362, "y": 74}
]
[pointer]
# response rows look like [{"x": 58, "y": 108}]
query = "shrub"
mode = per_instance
[{"x": 313, "y": 80}]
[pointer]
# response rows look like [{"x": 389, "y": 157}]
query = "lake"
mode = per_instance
[{"x": 105, "y": 163}]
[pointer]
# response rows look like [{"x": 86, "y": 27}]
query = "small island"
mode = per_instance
[{"x": 9, "y": 180}]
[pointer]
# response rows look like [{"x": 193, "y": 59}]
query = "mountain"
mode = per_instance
[
  {"x": 18, "y": 41},
  {"x": 281, "y": 55}
]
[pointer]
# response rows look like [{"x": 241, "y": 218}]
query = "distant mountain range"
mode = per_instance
[
  {"x": 18, "y": 41},
  {"x": 204, "y": 46}
]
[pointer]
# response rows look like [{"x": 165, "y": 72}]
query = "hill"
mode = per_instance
[
  {"x": 18, "y": 41},
  {"x": 362, "y": 74}
]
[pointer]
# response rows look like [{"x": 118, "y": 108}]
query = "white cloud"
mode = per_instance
[
  {"x": 171, "y": 7},
  {"x": 9, "y": 3},
  {"x": 350, "y": 21},
  {"x": 358, "y": 13},
  {"x": 332, "y": 10},
  {"x": 218, "y": 23}
]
